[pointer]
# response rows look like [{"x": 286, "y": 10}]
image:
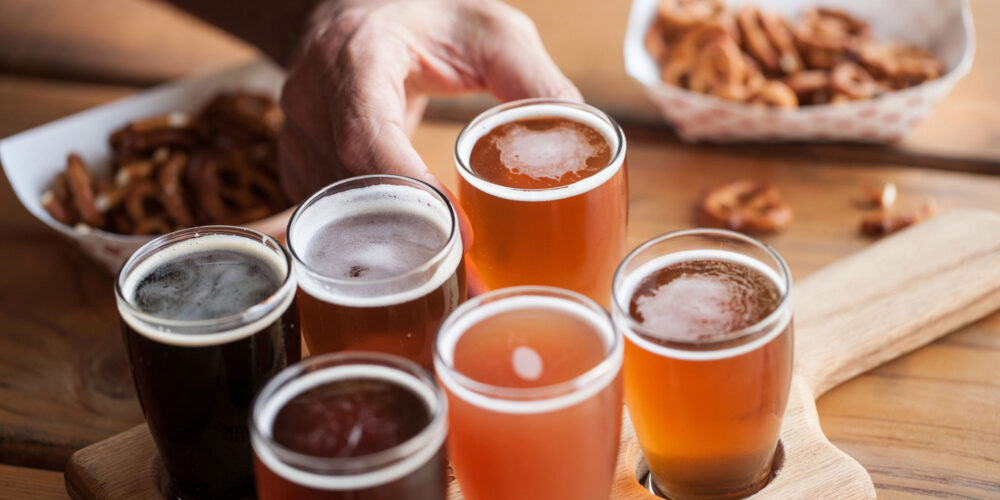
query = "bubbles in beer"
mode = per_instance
[
  {"x": 540, "y": 152},
  {"x": 350, "y": 418},
  {"x": 375, "y": 245},
  {"x": 206, "y": 284},
  {"x": 703, "y": 300}
]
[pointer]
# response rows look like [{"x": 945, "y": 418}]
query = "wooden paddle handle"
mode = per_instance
[{"x": 895, "y": 296}]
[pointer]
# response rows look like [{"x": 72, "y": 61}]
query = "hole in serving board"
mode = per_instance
[{"x": 644, "y": 478}]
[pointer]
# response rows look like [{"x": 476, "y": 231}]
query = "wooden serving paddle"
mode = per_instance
[{"x": 850, "y": 316}]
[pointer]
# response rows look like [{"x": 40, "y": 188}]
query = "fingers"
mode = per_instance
[{"x": 517, "y": 66}]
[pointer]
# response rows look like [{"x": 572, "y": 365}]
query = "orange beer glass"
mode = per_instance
[
  {"x": 707, "y": 320},
  {"x": 533, "y": 379},
  {"x": 378, "y": 259},
  {"x": 543, "y": 183}
]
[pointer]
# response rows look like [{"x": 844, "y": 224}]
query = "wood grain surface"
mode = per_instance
[
  {"x": 850, "y": 316},
  {"x": 20, "y": 482},
  {"x": 141, "y": 42}
]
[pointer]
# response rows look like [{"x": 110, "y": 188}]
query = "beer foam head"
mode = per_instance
[
  {"x": 525, "y": 361},
  {"x": 168, "y": 297},
  {"x": 696, "y": 308},
  {"x": 545, "y": 154},
  {"x": 542, "y": 154},
  {"x": 415, "y": 452},
  {"x": 374, "y": 245}
]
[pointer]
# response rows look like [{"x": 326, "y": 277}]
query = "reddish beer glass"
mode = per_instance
[
  {"x": 379, "y": 263},
  {"x": 350, "y": 426},
  {"x": 208, "y": 317},
  {"x": 543, "y": 183},
  {"x": 533, "y": 377},
  {"x": 707, "y": 320}
]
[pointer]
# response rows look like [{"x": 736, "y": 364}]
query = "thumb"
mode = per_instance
[{"x": 517, "y": 66}]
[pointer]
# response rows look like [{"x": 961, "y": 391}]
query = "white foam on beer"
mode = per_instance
[
  {"x": 205, "y": 243},
  {"x": 527, "y": 363},
  {"x": 434, "y": 435},
  {"x": 585, "y": 385},
  {"x": 538, "y": 154},
  {"x": 326, "y": 274},
  {"x": 545, "y": 154},
  {"x": 701, "y": 297}
]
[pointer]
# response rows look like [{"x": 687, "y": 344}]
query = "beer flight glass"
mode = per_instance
[
  {"x": 543, "y": 184},
  {"x": 379, "y": 264},
  {"x": 533, "y": 378},
  {"x": 208, "y": 316},
  {"x": 707, "y": 320},
  {"x": 351, "y": 426}
]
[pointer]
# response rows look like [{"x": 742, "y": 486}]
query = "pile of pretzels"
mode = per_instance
[
  {"x": 761, "y": 58},
  {"x": 177, "y": 170}
]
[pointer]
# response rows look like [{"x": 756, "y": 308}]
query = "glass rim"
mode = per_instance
[
  {"x": 347, "y": 467},
  {"x": 215, "y": 327},
  {"x": 439, "y": 257},
  {"x": 622, "y": 310},
  {"x": 513, "y": 395},
  {"x": 615, "y": 160}
]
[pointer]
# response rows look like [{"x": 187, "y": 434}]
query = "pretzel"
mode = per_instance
[
  {"x": 719, "y": 65},
  {"x": 775, "y": 94},
  {"x": 884, "y": 222},
  {"x": 56, "y": 201},
  {"x": 171, "y": 194},
  {"x": 902, "y": 65},
  {"x": 679, "y": 15},
  {"x": 831, "y": 29},
  {"x": 745, "y": 206},
  {"x": 755, "y": 40},
  {"x": 81, "y": 188},
  {"x": 779, "y": 32},
  {"x": 684, "y": 55},
  {"x": 853, "y": 81}
]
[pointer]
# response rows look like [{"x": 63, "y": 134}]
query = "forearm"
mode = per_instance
[{"x": 273, "y": 26}]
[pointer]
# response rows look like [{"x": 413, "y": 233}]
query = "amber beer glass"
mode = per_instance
[
  {"x": 208, "y": 316},
  {"x": 543, "y": 183},
  {"x": 351, "y": 426},
  {"x": 533, "y": 377},
  {"x": 707, "y": 319},
  {"x": 379, "y": 263}
]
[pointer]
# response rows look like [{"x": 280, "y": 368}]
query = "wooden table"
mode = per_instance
[{"x": 926, "y": 425}]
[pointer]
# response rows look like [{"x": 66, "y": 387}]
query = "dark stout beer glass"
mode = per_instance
[
  {"x": 351, "y": 426},
  {"x": 707, "y": 320},
  {"x": 208, "y": 316},
  {"x": 378, "y": 260}
]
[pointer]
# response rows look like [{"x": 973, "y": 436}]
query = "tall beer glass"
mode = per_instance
[
  {"x": 533, "y": 377},
  {"x": 351, "y": 426},
  {"x": 707, "y": 319},
  {"x": 208, "y": 316},
  {"x": 543, "y": 183},
  {"x": 379, "y": 264}
]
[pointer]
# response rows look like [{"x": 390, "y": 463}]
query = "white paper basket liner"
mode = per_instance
[
  {"x": 942, "y": 26},
  {"x": 32, "y": 158}
]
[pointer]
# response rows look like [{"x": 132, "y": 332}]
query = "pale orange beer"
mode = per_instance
[
  {"x": 707, "y": 320},
  {"x": 533, "y": 378},
  {"x": 544, "y": 185},
  {"x": 379, "y": 264}
]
